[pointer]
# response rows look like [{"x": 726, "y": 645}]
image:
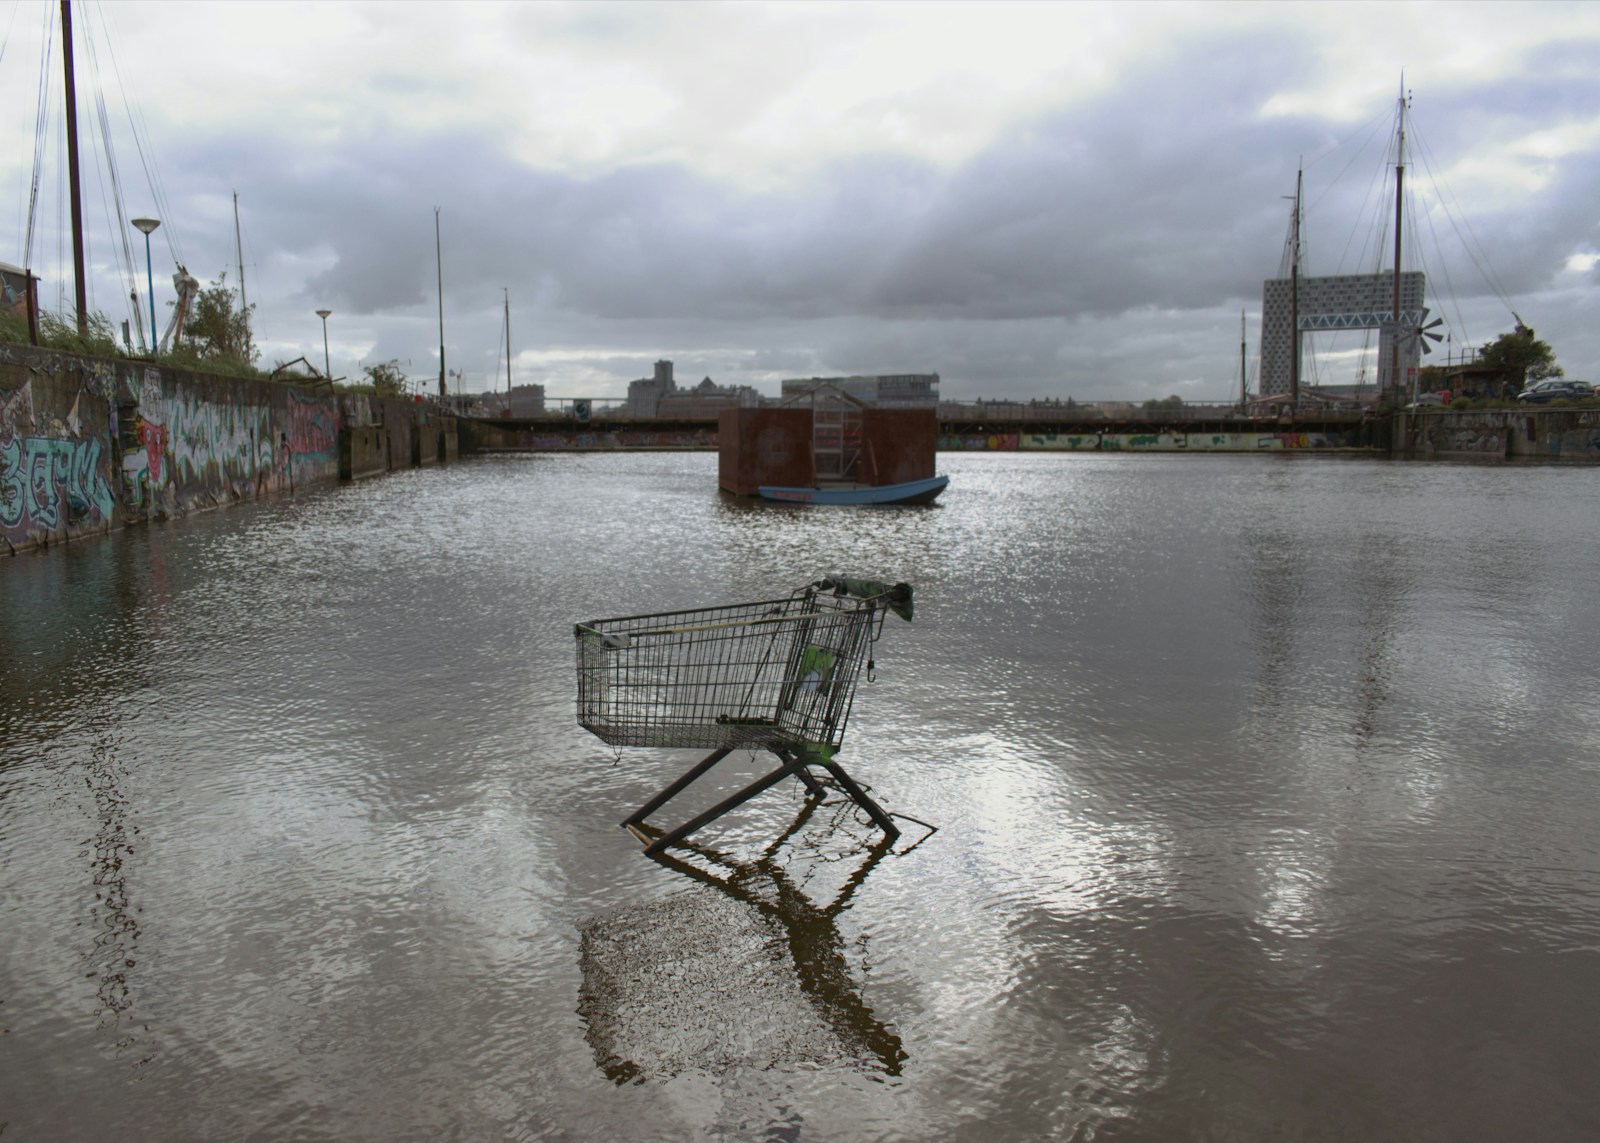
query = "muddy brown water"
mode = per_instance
[{"x": 1266, "y": 788}]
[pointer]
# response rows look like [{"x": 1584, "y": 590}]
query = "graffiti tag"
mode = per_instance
[{"x": 40, "y": 477}]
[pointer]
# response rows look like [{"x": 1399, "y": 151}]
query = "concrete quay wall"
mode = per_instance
[
  {"x": 91, "y": 444},
  {"x": 1164, "y": 440},
  {"x": 1568, "y": 435}
]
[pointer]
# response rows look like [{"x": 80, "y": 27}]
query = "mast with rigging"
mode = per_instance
[
  {"x": 438, "y": 254},
  {"x": 244, "y": 304},
  {"x": 1294, "y": 298},
  {"x": 1399, "y": 213}
]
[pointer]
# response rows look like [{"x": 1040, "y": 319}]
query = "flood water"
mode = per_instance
[{"x": 1267, "y": 794}]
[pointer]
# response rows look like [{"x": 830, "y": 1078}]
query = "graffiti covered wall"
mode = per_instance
[
  {"x": 189, "y": 441},
  {"x": 88, "y": 444},
  {"x": 56, "y": 470},
  {"x": 1545, "y": 434}
]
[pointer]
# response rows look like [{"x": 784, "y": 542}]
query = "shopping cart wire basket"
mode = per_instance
[{"x": 777, "y": 675}]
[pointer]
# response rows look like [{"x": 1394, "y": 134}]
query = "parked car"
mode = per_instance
[
  {"x": 1424, "y": 400},
  {"x": 1544, "y": 392}
]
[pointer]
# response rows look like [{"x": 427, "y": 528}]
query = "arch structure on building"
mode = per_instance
[{"x": 1347, "y": 301}]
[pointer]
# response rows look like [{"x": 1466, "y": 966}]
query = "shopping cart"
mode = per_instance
[{"x": 777, "y": 675}]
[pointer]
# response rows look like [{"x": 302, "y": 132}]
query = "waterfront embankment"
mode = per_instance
[
  {"x": 91, "y": 444},
  {"x": 1568, "y": 434}
]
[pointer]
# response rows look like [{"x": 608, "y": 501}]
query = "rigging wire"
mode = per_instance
[
  {"x": 141, "y": 132},
  {"x": 62, "y": 230},
  {"x": 9, "y": 25},
  {"x": 1444, "y": 272},
  {"x": 126, "y": 260},
  {"x": 41, "y": 133},
  {"x": 499, "y": 343},
  {"x": 1490, "y": 278},
  {"x": 1370, "y": 127}
]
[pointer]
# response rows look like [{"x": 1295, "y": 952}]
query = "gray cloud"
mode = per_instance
[{"x": 1101, "y": 248}]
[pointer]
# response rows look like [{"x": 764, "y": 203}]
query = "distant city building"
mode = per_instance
[
  {"x": 644, "y": 395},
  {"x": 1349, "y": 301},
  {"x": 705, "y": 400},
  {"x": 527, "y": 400},
  {"x": 893, "y": 390}
]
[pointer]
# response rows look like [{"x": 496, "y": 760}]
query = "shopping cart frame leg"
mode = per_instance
[
  {"x": 794, "y": 763},
  {"x": 791, "y": 765},
  {"x": 676, "y": 788},
  {"x": 860, "y": 798}
]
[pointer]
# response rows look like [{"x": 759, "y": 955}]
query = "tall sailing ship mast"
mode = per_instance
[{"x": 80, "y": 294}]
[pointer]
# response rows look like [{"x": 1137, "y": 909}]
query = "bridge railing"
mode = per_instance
[{"x": 1056, "y": 411}]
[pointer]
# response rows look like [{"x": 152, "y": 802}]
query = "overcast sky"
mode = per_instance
[{"x": 1039, "y": 200}]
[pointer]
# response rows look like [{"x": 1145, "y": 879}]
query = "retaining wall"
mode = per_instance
[
  {"x": 90, "y": 444},
  {"x": 486, "y": 436},
  {"x": 1536, "y": 434},
  {"x": 1151, "y": 442}
]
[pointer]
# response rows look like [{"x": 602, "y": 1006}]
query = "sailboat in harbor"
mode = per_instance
[{"x": 1391, "y": 302}]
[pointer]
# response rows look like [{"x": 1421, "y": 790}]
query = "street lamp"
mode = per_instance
[
  {"x": 323, "y": 314},
  {"x": 147, "y": 225}
]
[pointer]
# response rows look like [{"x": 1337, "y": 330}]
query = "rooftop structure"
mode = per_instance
[
  {"x": 706, "y": 399},
  {"x": 893, "y": 390},
  {"x": 645, "y": 395}
]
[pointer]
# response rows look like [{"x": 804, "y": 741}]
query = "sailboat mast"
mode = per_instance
[
  {"x": 72, "y": 170},
  {"x": 438, "y": 254},
  {"x": 238, "y": 245},
  {"x": 1399, "y": 201},
  {"x": 507, "y": 293},
  {"x": 244, "y": 303},
  {"x": 1294, "y": 299},
  {"x": 1244, "y": 392}
]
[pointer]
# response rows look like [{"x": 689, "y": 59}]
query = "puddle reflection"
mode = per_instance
[{"x": 744, "y": 968}]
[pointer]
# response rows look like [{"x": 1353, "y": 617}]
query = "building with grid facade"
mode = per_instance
[{"x": 1347, "y": 301}]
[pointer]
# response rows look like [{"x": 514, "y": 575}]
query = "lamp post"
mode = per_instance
[
  {"x": 323, "y": 314},
  {"x": 147, "y": 225}
]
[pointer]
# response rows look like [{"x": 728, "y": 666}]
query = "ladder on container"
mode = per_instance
[{"x": 835, "y": 436}]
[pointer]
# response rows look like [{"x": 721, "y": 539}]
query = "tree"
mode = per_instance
[
  {"x": 387, "y": 378},
  {"x": 1522, "y": 355},
  {"x": 1172, "y": 402},
  {"x": 215, "y": 331}
]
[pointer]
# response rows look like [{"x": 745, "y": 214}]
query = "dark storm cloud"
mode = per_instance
[
  {"x": 1122, "y": 202},
  {"x": 1128, "y": 224}
]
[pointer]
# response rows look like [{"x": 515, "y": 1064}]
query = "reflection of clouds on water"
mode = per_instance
[{"x": 745, "y": 969}]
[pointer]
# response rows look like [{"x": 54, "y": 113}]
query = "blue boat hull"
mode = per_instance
[{"x": 911, "y": 492}]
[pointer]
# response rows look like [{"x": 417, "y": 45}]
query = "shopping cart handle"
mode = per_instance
[{"x": 896, "y": 596}]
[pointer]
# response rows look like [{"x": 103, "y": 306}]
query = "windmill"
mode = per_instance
[
  {"x": 1421, "y": 330},
  {"x": 1425, "y": 331}
]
